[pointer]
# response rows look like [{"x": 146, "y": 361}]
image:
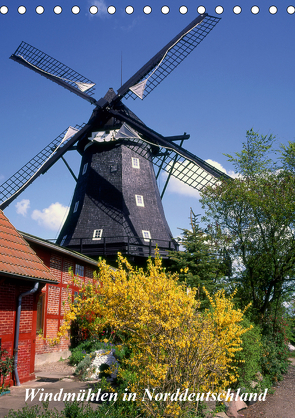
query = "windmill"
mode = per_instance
[{"x": 116, "y": 204}]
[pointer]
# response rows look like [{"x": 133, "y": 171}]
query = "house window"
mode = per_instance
[
  {"x": 76, "y": 295},
  {"x": 79, "y": 270},
  {"x": 63, "y": 240},
  {"x": 146, "y": 235},
  {"x": 139, "y": 200},
  {"x": 40, "y": 314},
  {"x": 84, "y": 168},
  {"x": 97, "y": 234},
  {"x": 135, "y": 162},
  {"x": 76, "y": 207}
]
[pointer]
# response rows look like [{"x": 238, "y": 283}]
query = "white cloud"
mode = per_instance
[
  {"x": 221, "y": 168},
  {"x": 179, "y": 187},
  {"x": 51, "y": 217},
  {"x": 216, "y": 165},
  {"x": 101, "y": 7},
  {"x": 22, "y": 207}
]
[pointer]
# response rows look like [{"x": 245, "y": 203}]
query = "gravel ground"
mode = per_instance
[
  {"x": 57, "y": 367},
  {"x": 279, "y": 405}
]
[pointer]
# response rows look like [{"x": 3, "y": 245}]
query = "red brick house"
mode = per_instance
[
  {"x": 20, "y": 271},
  {"x": 53, "y": 299},
  {"x": 25, "y": 261}
]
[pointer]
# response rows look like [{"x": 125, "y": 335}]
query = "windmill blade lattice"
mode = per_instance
[
  {"x": 23, "y": 177},
  {"x": 168, "y": 60},
  {"x": 53, "y": 69},
  {"x": 172, "y": 158},
  {"x": 181, "y": 164},
  {"x": 189, "y": 172}
]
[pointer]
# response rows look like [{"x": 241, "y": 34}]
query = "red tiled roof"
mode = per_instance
[{"x": 17, "y": 257}]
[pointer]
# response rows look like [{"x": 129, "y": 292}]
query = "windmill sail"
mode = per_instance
[
  {"x": 166, "y": 60},
  {"x": 49, "y": 67},
  {"x": 119, "y": 152},
  {"x": 139, "y": 88},
  {"x": 12, "y": 187},
  {"x": 126, "y": 132}
]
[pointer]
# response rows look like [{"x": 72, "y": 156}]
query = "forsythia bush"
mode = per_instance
[{"x": 173, "y": 345}]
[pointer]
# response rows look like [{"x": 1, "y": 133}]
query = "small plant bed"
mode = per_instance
[
  {"x": 95, "y": 359},
  {"x": 6, "y": 367}
]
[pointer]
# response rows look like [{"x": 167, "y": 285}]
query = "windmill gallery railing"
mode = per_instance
[{"x": 132, "y": 246}]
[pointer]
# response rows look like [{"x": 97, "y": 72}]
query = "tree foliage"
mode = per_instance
[
  {"x": 199, "y": 263},
  {"x": 254, "y": 157},
  {"x": 255, "y": 218}
]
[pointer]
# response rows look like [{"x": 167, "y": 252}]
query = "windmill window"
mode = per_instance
[
  {"x": 146, "y": 235},
  {"x": 97, "y": 234},
  {"x": 84, "y": 168},
  {"x": 63, "y": 240},
  {"x": 113, "y": 168},
  {"x": 79, "y": 270},
  {"x": 135, "y": 162},
  {"x": 139, "y": 200},
  {"x": 76, "y": 207}
]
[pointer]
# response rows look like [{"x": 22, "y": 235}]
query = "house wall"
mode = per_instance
[
  {"x": 56, "y": 301},
  {"x": 33, "y": 348},
  {"x": 10, "y": 289}
]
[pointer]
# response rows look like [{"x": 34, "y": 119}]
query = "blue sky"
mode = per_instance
[{"x": 240, "y": 77}]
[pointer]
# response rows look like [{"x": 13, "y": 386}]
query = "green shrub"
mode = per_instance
[
  {"x": 81, "y": 370},
  {"x": 76, "y": 357},
  {"x": 89, "y": 346},
  {"x": 78, "y": 410},
  {"x": 6, "y": 367},
  {"x": 104, "y": 370},
  {"x": 84, "y": 347},
  {"x": 118, "y": 409},
  {"x": 36, "y": 411},
  {"x": 250, "y": 357},
  {"x": 274, "y": 360}
]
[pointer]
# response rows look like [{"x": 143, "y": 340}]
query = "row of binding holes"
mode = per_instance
[{"x": 147, "y": 10}]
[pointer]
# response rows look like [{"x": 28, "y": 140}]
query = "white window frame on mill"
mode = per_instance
[
  {"x": 135, "y": 163},
  {"x": 97, "y": 234},
  {"x": 76, "y": 207},
  {"x": 79, "y": 270},
  {"x": 84, "y": 168},
  {"x": 146, "y": 235},
  {"x": 139, "y": 200}
]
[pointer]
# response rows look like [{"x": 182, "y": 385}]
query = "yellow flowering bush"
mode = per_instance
[{"x": 173, "y": 345}]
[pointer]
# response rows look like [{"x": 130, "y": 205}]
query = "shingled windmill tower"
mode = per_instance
[{"x": 116, "y": 204}]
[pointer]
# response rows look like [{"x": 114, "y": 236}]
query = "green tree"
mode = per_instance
[
  {"x": 253, "y": 218},
  {"x": 254, "y": 158},
  {"x": 200, "y": 263},
  {"x": 288, "y": 157}
]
